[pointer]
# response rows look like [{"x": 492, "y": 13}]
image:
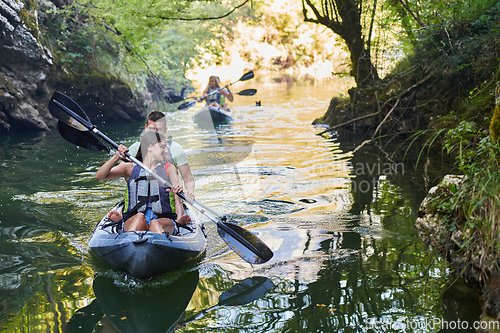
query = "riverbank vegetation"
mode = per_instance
[
  {"x": 447, "y": 75},
  {"x": 115, "y": 39},
  {"x": 444, "y": 90},
  {"x": 468, "y": 208}
]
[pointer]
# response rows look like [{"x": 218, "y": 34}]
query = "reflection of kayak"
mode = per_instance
[
  {"x": 211, "y": 114},
  {"x": 149, "y": 309},
  {"x": 144, "y": 254},
  {"x": 156, "y": 307}
]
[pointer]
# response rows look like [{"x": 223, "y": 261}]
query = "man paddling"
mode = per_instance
[{"x": 156, "y": 121}]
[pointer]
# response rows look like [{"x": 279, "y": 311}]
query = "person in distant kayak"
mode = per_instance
[
  {"x": 149, "y": 205},
  {"x": 215, "y": 96},
  {"x": 156, "y": 121}
]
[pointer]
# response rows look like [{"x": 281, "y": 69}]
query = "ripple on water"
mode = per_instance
[
  {"x": 79, "y": 197},
  {"x": 277, "y": 207},
  {"x": 246, "y": 218}
]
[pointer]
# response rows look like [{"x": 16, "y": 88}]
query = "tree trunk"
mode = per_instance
[
  {"x": 363, "y": 71},
  {"x": 343, "y": 17}
]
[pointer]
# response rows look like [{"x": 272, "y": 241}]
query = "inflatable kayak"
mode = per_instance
[{"x": 144, "y": 254}]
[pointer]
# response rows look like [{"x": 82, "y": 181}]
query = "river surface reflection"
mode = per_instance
[{"x": 347, "y": 257}]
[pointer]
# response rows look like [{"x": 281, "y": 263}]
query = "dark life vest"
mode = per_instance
[
  {"x": 143, "y": 190},
  {"x": 215, "y": 97}
]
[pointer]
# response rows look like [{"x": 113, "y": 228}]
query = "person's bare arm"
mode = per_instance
[
  {"x": 189, "y": 183},
  {"x": 176, "y": 187},
  {"x": 109, "y": 171},
  {"x": 226, "y": 92}
]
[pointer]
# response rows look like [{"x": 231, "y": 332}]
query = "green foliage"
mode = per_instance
[
  {"x": 73, "y": 38},
  {"x": 133, "y": 40},
  {"x": 474, "y": 206},
  {"x": 457, "y": 48},
  {"x": 28, "y": 16},
  {"x": 438, "y": 12},
  {"x": 153, "y": 33}
]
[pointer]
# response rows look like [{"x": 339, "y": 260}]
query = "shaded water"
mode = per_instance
[{"x": 340, "y": 225}]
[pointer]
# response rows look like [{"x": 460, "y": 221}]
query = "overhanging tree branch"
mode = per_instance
[
  {"x": 201, "y": 18},
  {"x": 419, "y": 21},
  {"x": 335, "y": 26},
  {"x": 129, "y": 50}
]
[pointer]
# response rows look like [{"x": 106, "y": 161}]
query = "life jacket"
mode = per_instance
[
  {"x": 143, "y": 190},
  {"x": 216, "y": 97}
]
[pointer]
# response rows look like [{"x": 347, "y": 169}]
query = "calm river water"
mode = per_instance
[{"x": 347, "y": 257}]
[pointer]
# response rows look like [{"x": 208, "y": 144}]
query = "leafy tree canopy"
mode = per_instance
[{"x": 133, "y": 38}]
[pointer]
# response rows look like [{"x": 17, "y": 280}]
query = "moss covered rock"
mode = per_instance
[{"x": 495, "y": 124}]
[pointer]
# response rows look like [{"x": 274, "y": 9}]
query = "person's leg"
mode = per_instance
[
  {"x": 162, "y": 225},
  {"x": 136, "y": 223}
]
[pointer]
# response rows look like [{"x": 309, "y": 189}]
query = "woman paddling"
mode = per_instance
[
  {"x": 216, "y": 96},
  {"x": 148, "y": 207}
]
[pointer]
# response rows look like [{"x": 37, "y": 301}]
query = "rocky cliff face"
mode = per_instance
[
  {"x": 23, "y": 70},
  {"x": 28, "y": 76}
]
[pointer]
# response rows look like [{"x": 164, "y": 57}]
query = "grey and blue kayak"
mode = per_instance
[
  {"x": 211, "y": 114},
  {"x": 144, "y": 254}
]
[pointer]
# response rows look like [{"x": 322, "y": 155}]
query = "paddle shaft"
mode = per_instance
[
  {"x": 196, "y": 205},
  {"x": 218, "y": 89}
]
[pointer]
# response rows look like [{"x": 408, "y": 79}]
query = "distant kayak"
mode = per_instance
[
  {"x": 144, "y": 254},
  {"x": 211, "y": 114}
]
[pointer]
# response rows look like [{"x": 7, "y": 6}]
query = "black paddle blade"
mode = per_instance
[
  {"x": 186, "y": 105},
  {"x": 173, "y": 98},
  {"x": 247, "y": 92},
  {"x": 245, "y": 244},
  {"x": 61, "y": 107},
  {"x": 246, "y": 291},
  {"x": 247, "y": 76},
  {"x": 82, "y": 139}
]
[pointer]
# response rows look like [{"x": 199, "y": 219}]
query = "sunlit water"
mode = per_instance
[{"x": 346, "y": 255}]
